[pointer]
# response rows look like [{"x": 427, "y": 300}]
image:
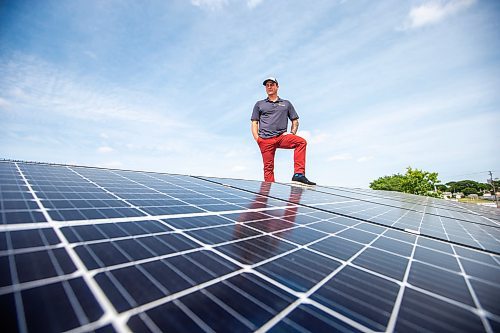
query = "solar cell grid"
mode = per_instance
[
  {"x": 434, "y": 206},
  {"x": 484, "y": 235},
  {"x": 17, "y": 205},
  {"x": 269, "y": 257},
  {"x": 430, "y": 205}
]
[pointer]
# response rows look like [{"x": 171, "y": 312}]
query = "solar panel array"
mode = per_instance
[{"x": 88, "y": 249}]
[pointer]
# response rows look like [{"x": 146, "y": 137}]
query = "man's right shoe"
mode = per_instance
[{"x": 300, "y": 178}]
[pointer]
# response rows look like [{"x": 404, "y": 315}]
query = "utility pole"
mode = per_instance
[{"x": 494, "y": 190}]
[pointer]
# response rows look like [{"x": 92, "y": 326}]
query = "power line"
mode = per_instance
[
  {"x": 493, "y": 185},
  {"x": 469, "y": 174}
]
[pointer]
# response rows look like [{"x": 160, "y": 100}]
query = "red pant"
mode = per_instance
[{"x": 287, "y": 141}]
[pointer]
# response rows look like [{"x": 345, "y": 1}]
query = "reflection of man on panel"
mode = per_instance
[
  {"x": 247, "y": 254},
  {"x": 269, "y": 124}
]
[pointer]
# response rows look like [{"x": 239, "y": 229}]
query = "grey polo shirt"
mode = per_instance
[{"x": 273, "y": 116}]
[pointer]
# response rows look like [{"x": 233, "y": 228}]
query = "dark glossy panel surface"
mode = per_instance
[
  {"x": 494, "y": 324},
  {"x": 393, "y": 245},
  {"x": 300, "y": 235},
  {"x": 382, "y": 262},
  {"x": 254, "y": 254},
  {"x": 93, "y": 214},
  {"x": 337, "y": 247},
  {"x": 186, "y": 223},
  {"x": 100, "y": 231},
  {"x": 329, "y": 227},
  {"x": 299, "y": 270},
  {"x": 13, "y": 217},
  {"x": 248, "y": 216},
  {"x": 3, "y": 241},
  {"x": 272, "y": 225},
  {"x": 490, "y": 273},
  {"x": 136, "y": 285},
  {"x": 17, "y": 204},
  {"x": 52, "y": 307},
  {"x": 437, "y": 258},
  {"x": 255, "y": 250},
  {"x": 440, "y": 281},
  {"x": 420, "y": 312},
  {"x": 113, "y": 253},
  {"x": 8, "y": 307},
  {"x": 436, "y": 245},
  {"x": 105, "y": 329},
  {"x": 306, "y": 318},
  {"x": 224, "y": 234},
  {"x": 488, "y": 295},
  {"x": 33, "y": 238},
  {"x": 476, "y": 255},
  {"x": 463, "y": 227},
  {"x": 239, "y": 304},
  {"x": 359, "y": 236},
  {"x": 5, "y": 277},
  {"x": 43, "y": 264},
  {"x": 361, "y": 296}
]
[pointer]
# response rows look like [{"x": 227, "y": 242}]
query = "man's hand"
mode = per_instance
[
  {"x": 295, "y": 126},
  {"x": 255, "y": 130}
]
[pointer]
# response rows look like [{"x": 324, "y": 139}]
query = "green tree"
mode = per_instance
[
  {"x": 466, "y": 185},
  {"x": 469, "y": 190},
  {"x": 452, "y": 186},
  {"x": 419, "y": 182},
  {"x": 442, "y": 188},
  {"x": 459, "y": 186},
  {"x": 414, "y": 181},
  {"x": 484, "y": 188},
  {"x": 497, "y": 186},
  {"x": 388, "y": 183}
]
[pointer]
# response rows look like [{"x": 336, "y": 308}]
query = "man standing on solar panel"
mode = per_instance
[{"x": 269, "y": 128}]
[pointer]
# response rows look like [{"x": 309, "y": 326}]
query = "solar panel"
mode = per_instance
[
  {"x": 430, "y": 217},
  {"x": 91, "y": 249}
]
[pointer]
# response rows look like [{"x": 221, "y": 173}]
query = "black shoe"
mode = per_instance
[{"x": 300, "y": 178}]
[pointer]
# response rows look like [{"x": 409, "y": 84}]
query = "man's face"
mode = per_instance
[{"x": 271, "y": 88}]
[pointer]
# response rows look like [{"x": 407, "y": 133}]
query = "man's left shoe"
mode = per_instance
[{"x": 300, "y": 178}]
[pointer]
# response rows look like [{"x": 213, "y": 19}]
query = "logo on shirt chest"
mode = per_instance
[{"x": 275, "y": 106}]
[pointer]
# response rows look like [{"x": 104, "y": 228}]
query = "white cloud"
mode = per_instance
[
  {"x": 240, "y": 152},
  {"x": 33, "y": 82},
  {"x": 111, "y": 164},
  {"x": 253, "y": 3},
  {"x": 17, "y": 92},
  {"x": 104, "y": 150},
  {"x": 313, "y": 138},
  {"x": 348, "y": 157},
  {"x": 364, "y": 159},
  {"x": 238, "y": 168},
  {"x": 341, "y": 157},
  {"x": 218, "y": 4},
  {"x": 209, "y": 4},
  {"x": 359, "y": 88},
  {"x": 3, "y": 103},
  {"x": 90, "y": 54},
  {"x": 434, "y": 12}
]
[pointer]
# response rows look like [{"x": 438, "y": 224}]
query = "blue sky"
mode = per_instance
[{"x": 169, "y": 86}]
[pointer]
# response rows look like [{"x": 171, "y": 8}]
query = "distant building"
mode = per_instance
[{"x": 447, "y": 195}]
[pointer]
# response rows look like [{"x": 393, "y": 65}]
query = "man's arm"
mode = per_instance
[
  {"x": 295, "y": 126},
  {"x": 255, "y": 129}
]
